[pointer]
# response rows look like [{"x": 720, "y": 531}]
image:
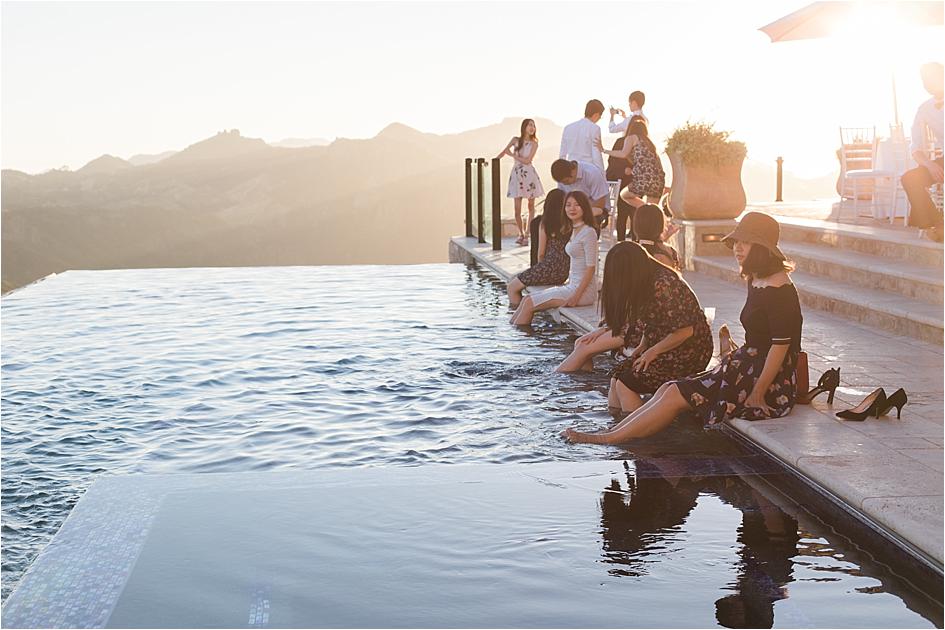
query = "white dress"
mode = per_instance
[
  {"x": 523, "y": 180},
  {"x": 583, "y": 250}
]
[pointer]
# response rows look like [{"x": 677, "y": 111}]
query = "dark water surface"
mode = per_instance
[{"x": 237, "y": 370}]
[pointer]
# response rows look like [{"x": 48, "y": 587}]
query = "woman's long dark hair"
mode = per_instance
[
  {"x": 521, "y": 135},
  {"x": 629, "y": 273},
  {"x": 761, "y": 263},
  {"x": 552, "y": 217},
  {"x": 585, "y": 203},
  {"x": 637, "y": 127}
]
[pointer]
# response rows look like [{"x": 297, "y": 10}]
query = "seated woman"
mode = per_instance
[
  {"x": 647, "y": 178},
  {"x": 583, "y": 250},
  {"x": 755, "y": 381},
  {"x": 649, "y": 225},
  {"x": 552, "y": 266},
  {"x": 621, "y": 266}
]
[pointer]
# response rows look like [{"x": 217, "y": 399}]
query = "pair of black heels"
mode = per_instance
[{"x": 876, "y": 404}]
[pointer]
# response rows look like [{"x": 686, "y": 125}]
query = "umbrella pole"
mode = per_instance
[{"x": 895, "y": 100}]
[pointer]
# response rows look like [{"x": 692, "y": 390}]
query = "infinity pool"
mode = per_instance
[{"x": 310, "y": 369}]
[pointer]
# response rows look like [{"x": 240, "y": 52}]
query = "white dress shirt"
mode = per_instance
[
  {"x": 622, "y": 125},
  {"x": 579, "y": 143},
  {"x": 928, "y": 116},
  {"x": 591, "y": 182}
]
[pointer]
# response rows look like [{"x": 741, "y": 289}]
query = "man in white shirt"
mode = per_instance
[
  {"x": 928, "y": 120},
  {"x": 580, "y": 140},
  {"x": 577, "y": 175},
  {"x": 635, "y": 101}
]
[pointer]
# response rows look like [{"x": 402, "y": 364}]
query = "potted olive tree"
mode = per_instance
[{"x": 707, "y": 169}]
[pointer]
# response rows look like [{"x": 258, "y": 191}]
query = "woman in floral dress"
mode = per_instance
[
  {"x": 553, "y": 261},
  {"x": 523, "y": 180},
  {"x": 755, "y": 381}
]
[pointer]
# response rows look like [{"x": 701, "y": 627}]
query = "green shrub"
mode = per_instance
[{"x": 698, "y": 144}]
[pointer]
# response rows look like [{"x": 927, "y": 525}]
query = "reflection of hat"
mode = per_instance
[{"x": 757, "y": 228}]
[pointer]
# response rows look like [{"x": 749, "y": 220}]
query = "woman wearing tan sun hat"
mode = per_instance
[{"x": 755, "y": 381}]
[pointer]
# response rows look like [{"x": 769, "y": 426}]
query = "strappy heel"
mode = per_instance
[
  {"x": 829, "y": 381},
  {"x": 870, "y": 406},
  {"x": 897, "y": 400}
]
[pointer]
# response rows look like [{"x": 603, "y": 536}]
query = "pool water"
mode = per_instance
[{"x": 294, "y": 369}]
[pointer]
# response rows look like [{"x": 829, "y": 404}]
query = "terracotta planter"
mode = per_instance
[{"x": 706, "y": 192}]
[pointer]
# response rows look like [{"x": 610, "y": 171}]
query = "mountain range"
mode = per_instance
[{"x": 230, "y": 200}]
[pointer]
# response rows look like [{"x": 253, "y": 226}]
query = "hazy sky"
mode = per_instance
[{"x": 83, "y": 79}]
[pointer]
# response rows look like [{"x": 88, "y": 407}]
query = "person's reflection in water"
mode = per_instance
[{"x": 636, "y": 523}]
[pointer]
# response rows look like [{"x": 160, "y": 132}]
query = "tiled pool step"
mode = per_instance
[
  {"x": 865, "y": 239},
  {"x": 888, "y": 472}
]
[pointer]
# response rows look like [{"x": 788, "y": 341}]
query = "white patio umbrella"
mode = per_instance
[{"x": 827, "y": 19}]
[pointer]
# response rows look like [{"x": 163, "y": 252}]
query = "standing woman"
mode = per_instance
[
  {"x": 523, "y": 180},
  {"x": 647, "y": 178},
  {"x": 552, "y": 267},
  {"x": 755, "y": 381},
  {"x": 583, "y": 251},
  {"x": 618, "y": 170}
]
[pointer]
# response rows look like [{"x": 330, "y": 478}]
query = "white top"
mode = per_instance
[
  {"x": 927, "y": 116},
  {"x": 622, "y": 125},
  {"x": 579, "y": 142},
  {"x": 589, "y": 181},
  {"x": 528, "y": 147},
  {"x": 583, "y": 250}
]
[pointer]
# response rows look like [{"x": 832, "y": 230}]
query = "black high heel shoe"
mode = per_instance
[
  {"x": 897, "y": 400},
  {"x": 829, "y": 381},
  {"x": 869, "y": 407}
]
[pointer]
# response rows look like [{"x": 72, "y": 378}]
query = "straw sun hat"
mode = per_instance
[{"x": 757, "y": 228}]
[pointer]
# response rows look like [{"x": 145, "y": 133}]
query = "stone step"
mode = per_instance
[
  {"x": 890, "y": 243},
  {"x": 866, "y": 270},
  {"x": 887, "y": 311}
]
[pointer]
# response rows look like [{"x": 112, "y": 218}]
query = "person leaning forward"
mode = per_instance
[{"x": 577, "y": 175}]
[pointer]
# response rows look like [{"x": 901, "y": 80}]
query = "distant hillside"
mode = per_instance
[
  {"x": 296, "y": 143},
  {"x": 229, "y": 200},
  {"x": 142, "y": 158}
]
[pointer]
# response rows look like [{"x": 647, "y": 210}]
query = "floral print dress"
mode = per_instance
[
  {"x": 553, "y": 268},
  {"x": 673, "y": 306},
  {"x": 647, "y": 176},
  {"x": 771, "y": 316},
  {"x": 523, "y": 180}
]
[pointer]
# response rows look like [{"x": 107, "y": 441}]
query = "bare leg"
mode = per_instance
[
  {"x": 612, "y": 401},
  {"x": 518, "y": 218},
  {"x": 527, "y": 309},
  {"x": 657, "y": 414},
  {"x": 582, "y": 357},
  {"x": 514, "y": 288},
  {"x": 630, "y": 401},
  {"x": 632, "y": 199}
]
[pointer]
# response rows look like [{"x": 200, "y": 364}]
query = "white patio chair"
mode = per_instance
[{"x": 860, "y": 178}]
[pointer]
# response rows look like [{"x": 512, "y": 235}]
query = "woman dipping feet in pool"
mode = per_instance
[
  {"x": 554, "y": 229},
  {"x": 583, "y": 250},
  {"x": 755, "y": 381}
]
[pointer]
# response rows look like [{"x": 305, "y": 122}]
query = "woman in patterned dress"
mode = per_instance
[
  {"x": 647, "y": 179},
  {"x": 628, "y": 271},
  {"x": 755, "y": 381},
  {"x": 523, "y": 180},
  {"x": 553, "y": 233}
]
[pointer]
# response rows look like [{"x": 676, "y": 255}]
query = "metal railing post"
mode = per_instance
[
  {"x": 496, "y": 207},
  {"x": 480, "y": 211},
  {"x": 780, "y": 178},
  {"x": 469, "y": 218}
]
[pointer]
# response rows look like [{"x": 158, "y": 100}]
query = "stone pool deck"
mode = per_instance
[{"x": 887, "y": 472}]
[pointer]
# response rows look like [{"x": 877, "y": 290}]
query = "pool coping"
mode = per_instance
[{"x": 903, "y": 518}]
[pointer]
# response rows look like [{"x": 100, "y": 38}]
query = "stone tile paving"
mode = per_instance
[{"x": 889, "y": 469}]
